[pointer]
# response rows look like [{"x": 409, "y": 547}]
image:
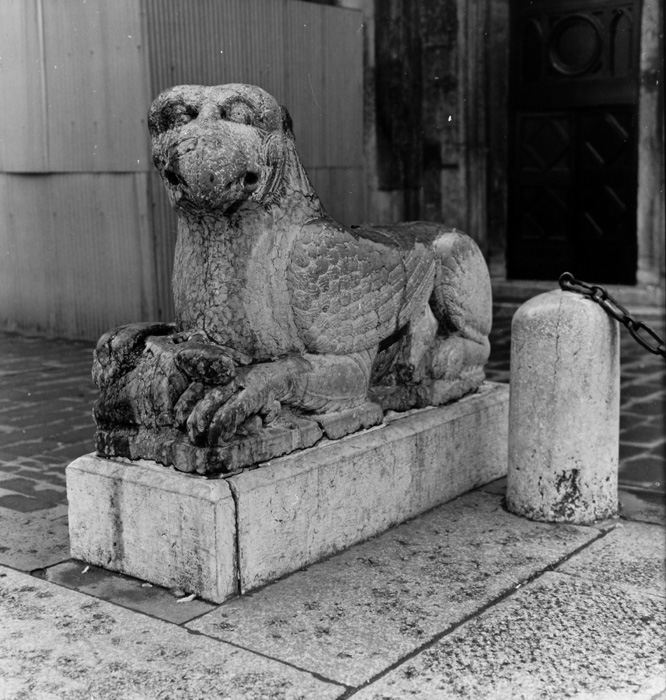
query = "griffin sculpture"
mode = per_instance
[{"x": 288, "y": 324}]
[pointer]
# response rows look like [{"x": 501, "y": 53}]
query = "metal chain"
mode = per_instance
[{"x": 641, "y": 332}]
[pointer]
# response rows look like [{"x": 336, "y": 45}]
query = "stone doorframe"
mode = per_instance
[{"x": 651, "y": 147}]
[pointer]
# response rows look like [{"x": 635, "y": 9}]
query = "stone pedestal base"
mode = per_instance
[{"x": 221, "y": 537}]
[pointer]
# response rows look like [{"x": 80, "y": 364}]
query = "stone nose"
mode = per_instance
[
  {"x": 210, "y": 112},
  {"x": 217, "y": 166}
]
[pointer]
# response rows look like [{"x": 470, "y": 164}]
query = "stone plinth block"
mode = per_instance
[
  {"x": 307, "y": 506},
  {"x": 565, "y": 410},
  {"x": 151, "y": 522},
  {"x": 218, "y": 537}
]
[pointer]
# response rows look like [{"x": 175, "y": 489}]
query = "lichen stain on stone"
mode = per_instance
[{"x": 567, "y": 485}]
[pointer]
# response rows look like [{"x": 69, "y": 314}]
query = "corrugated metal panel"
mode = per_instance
[
  {"x": 79, "y": 269},
  {"x": 23, "y": 144},
  {"x": 342, "y": 53},
  {"x": 211, "y": 42},
  {"x": 164, "y": 228},
  {"x": 95, "y": 84},
  {"x": 309, "y": 56},
  {"x": 342, "y": 191},
  {"x": 304, "y": 71}
]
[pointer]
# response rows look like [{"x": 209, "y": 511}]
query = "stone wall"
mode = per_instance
[
  {"x": 651, "y": 258},
  {"x": 427, "y": 84}
]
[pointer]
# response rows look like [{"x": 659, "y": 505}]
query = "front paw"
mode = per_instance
[{"x": 240, "y": 408}]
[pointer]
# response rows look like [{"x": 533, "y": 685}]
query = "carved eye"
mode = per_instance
[
  {"x": 174, "y": 114},
  {"x": 239, "y": 112},
  {"x": 182, "y": 114}
]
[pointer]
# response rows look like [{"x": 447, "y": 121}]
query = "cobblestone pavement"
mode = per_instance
[{"x": 46, "y": 397}]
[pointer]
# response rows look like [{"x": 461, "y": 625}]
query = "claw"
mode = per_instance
[
  {"x": 225, "y": 422},
  {"x": 250, "y": 426},
  {"x": 199, "y": 421},
  {"x": 187, "y": 401},
  {"x": 272, "y": 411}
]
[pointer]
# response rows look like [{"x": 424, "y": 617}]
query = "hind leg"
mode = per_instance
[{"x": 461, "y": 302}]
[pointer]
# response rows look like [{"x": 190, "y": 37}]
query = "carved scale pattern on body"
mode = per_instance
[{"x": 352, "y": 288}]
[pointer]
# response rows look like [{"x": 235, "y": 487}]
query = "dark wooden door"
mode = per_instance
[{"x": 573, "y": 145}]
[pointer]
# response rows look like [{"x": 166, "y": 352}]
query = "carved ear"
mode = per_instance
[{"x": 287, "y": 123}]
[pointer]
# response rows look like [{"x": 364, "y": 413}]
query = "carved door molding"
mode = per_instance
[{"x": 573, "y": 139}]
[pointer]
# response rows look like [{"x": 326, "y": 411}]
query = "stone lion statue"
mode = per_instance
[{"x": 285, "y": 319}]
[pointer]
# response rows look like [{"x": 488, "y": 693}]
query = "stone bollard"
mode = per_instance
[{"x": 564, "y": 414}]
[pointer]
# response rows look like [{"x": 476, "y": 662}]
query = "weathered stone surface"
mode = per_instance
[
  {"x": 558, "y": 637},
  {"x": 358, "y": 613},
  {"x": 33, "y": 540},
  {"x": 565, "y": 410},
  {"x": 169, "y": 446},
  {"x": 151, "y": 522},
  {"x": 279, "y": 306},
  {"x": 341, "y": 423},
  {"x": 301, "y": 508},
  {"x": 56, "y": 643},
  {"x": 633, "y": 554},
  {"x": 131, "y": 593}
]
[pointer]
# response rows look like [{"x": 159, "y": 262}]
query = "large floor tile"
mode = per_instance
[
  {"x": 171, "y": 605},
  {"x": 559, "y": 637},
  {"x": 58, "y": 644},
  {"x": 34, "y": 540},
  {"x": 354, "y": 615},
  {"x": 633, "y": 554}
]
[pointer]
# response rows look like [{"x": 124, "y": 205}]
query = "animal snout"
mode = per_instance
[{"x": 248, "y": 181}]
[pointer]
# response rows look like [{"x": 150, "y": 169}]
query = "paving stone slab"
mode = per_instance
[
  {"x": 559, "y": 637},
  {"x": 354, "y": 615},
  {"x": 55, "y": 643},
  {"x": 643, "y": 506},
  {"x": 633, "y": 554},
  {"x": 170, "y": 605},
  {"x": 34, "y": 540}
]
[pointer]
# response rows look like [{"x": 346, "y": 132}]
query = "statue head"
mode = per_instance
[{"x": 217, "y": 148}]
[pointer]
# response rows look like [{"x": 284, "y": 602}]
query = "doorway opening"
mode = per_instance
[{"x": 573, "y": 171}]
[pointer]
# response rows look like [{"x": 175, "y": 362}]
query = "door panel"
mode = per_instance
[{"x": 573, "y": 174}]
